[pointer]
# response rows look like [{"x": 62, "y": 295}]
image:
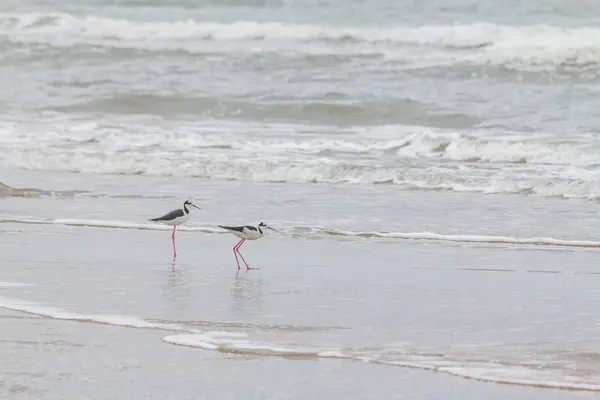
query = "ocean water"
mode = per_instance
[{"x": 433, "y": 168}]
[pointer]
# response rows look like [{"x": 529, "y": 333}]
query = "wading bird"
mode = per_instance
[
  {"x": 246, "y": 232},
  {"x": 174, "y": 218}
]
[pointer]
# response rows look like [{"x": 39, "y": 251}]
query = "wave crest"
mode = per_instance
[{"x": 521, "y": 47}]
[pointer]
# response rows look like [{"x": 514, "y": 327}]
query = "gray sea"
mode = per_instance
[{"x": 433, "y": 169}]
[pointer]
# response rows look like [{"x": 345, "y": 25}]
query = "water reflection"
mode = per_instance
[
  {"x": 247, "y": 291},
  {"x": 175, "y": 289}
]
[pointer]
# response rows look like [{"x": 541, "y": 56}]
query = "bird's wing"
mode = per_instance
[
  {"x": 170, "y": 215},
  {"x": 250, "y": 228},
  {"x": 233, "y": 228}
]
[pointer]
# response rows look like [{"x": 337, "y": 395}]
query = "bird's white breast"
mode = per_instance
[
  {"x": 252, "y": 235},
  {"x": 177, "y": 221}
]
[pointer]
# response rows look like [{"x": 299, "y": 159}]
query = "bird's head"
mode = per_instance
[
  {"x": 188, "y": 203},
  {"x": 263, "y": 225}
]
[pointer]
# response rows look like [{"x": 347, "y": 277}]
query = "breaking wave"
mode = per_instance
[
  {"x": 520, "y": 47},
  {"x": 416, "y": 162},
  {"x": 411, "y": 157}
]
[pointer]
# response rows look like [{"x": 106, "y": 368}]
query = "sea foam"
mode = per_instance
[{"x": 483, "y": 43}]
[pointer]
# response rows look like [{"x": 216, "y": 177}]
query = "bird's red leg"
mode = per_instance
[
  {"x": 235, "y": 252},
  {"x": 173, "y": 237},
  {"x": 248, "y": 268}
]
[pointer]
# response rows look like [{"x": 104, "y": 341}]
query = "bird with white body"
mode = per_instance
[
  {"x": 246, "y": 232},
  {"x": 175, "y": 218}
]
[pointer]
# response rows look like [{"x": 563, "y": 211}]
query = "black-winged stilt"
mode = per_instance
[
  {"x": 246, "y": 232},
  {"x": 174, "y": 218}
]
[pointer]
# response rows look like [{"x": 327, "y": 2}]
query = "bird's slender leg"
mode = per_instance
[
  {"x": 248, "y": 268},
  {"x": 173, "y": 237},
  {"x": 235, "y": 252}
]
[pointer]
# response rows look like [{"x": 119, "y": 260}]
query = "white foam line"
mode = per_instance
[
  {"x": 532, "y": 241},
  {"x": 231, "y": 342},
  {"x": 525, "y": 382},
  {"x": 14, "y": 284},
  {"x": 476, "y": 371},
  {"x": 471, "y": 373},
  {"x": 538, "y": 241},
  {"x": 107, "y": 224},
  {"x": 189, "y": 341},
  {"x": 115, "y": 320},
  {"x": 213, "y": 341}
]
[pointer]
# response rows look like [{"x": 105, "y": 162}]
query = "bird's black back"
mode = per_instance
[
  {"x": 170, "y": 215},
  {"x": 238, "y": 228}
]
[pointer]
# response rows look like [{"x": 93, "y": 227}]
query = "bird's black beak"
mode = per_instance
[
  {"x": 274, "y": 230},
  {"x": 193, "y": 205}
]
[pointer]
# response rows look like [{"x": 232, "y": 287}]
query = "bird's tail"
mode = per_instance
[
  {"x": 153, "y": 219},
  {"x": 232, "y": 228}
]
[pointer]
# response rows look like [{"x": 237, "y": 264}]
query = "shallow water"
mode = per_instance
[{"x": 453, "y": 300}]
